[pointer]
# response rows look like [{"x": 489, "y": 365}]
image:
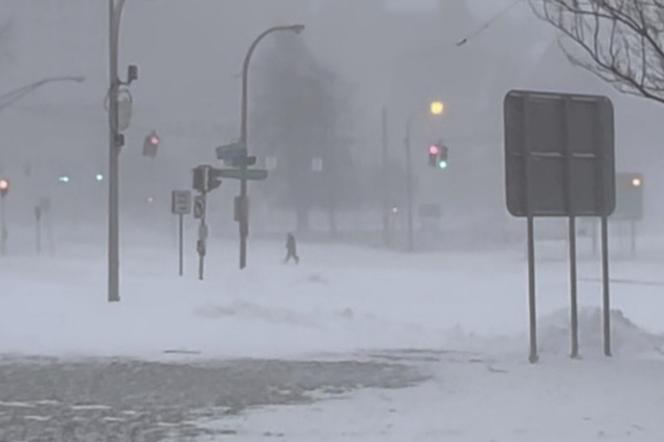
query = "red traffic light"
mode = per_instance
[
  {"x": 4, "y": 187},
  {"x": 434, "y": 149},
  {"x": 151, "y": 145}
]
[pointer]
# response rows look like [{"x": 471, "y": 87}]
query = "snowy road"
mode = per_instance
[{"x": 122, "y": 400}]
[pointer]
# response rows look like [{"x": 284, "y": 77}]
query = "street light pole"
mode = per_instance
[
  {"x": 244, "y": 213},
  {"x": 115, "y": 14},
  {"x": 385, "y": 179},
  {"x": 3, "y": 227},
  {"x": 409, "y": 183},
  {"x": 437, "y": 109}
]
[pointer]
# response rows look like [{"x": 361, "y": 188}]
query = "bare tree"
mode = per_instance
[{"x": 621, "y": 41}]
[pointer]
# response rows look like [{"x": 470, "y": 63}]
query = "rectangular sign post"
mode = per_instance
[
  {"x": 200, "y": 203},
  {"x": 181, "y": 205},
  {"x": 559, "y": 162}
]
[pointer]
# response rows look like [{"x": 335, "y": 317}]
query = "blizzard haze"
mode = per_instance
[{"x": 367, "y": 323}]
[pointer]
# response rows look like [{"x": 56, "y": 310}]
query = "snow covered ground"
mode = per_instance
[
  {"x": 340, "y": 299},
  {"x": 481, "y": 398},
  {"x": 465, "y": 311}
]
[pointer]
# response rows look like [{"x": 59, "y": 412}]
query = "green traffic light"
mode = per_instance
[{"x": 442, "y": 164}]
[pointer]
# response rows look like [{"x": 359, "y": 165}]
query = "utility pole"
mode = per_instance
[
  {"x": 243, "y": 220},
  {"x": 115, "y": 11},
  {"x": 4, "y": 190},
  {"x": 38, "y": 229},
  {"x": 409, "y": 185},
  {"x": 116, "y": 141},
  {"x": 386, "y": 179}
]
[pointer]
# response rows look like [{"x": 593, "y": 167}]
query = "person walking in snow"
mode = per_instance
[{"x": 291, "y": 248}]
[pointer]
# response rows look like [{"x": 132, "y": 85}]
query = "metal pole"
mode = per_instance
[
  {"x": 114, "y": 153},
  {"x": 409, "y": 186},
  {"x": 3, "y": 227},
  {"x": 574, "y": 317},
  {"x": 632, "y": 233},
  {"x": 49, "y": 231},
  {"x": 605, "y": 285},
  {"x": 594, "y": 233},
  {"x": 202, "y": 238},
  {"x": 571, "y": 209},
  {"x": 38, "y": 229},
  {"x": 201, "y": 259},
  {"x": 385, "y": 180},
  {"x": 181, "y": 242},
  {"x": 244, "y": 111},
  {"x": 532, "y": 308}
]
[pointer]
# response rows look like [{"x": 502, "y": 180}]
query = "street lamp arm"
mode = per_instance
[
  {"x": 245, "y": 70},
  {"x": 12, "y": 97}
]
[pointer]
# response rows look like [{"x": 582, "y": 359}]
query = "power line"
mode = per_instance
[{"x": 488, "y": 24}]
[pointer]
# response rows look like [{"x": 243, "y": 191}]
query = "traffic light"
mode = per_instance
[
  {"x": 438, "y": 156},
  {"x": 214, "y": 179},
  {"x": 442, "y": 157},
  {"x": 206, "y": 178},
  {"x": 434, "y": 151},
  {"x": 4, "y": 187},
  {"x": 201, "y": 174},
  {"x": 151, "y": 145}
]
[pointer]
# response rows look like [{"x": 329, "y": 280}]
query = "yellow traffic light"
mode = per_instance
[{"x": 437, "y": 108}]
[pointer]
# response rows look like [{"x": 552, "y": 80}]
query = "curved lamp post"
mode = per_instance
[{"x": 243, "y": 220}]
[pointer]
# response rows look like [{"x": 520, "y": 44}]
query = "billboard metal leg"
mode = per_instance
[
  {"x": 533, "y": 357},
  {"x": 605, "y": 286},
  {"x": 574, "y": 321}
]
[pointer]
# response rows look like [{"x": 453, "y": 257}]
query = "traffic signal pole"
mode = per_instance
[
  {"x": 115, "y": 144},
  {"x": 114, "y": 155},
  {"x": 3, "y": 227}
]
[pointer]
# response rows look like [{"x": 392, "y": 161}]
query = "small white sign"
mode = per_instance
[{"x": 181, "y": 202}]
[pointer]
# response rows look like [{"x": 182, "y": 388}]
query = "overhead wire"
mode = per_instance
[{"x": 488, "y": 23}]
